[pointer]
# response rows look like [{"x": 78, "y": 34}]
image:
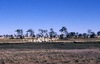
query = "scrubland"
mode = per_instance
[
  {"x": 50, "y": 53},
  {"x": 49, "y": 56}
]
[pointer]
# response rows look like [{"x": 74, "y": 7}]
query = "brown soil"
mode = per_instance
[{"x": 49, "y": 56}]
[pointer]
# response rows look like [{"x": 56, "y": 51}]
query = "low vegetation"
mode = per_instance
[{"x": 48, "y": 56}]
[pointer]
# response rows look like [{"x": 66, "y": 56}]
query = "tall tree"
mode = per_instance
[
  {"x": 41, "y": 32},
  {"x": 72, "y": 34},
  {"x": 76, "y": 34},
  {"x": 80, "y": 35},
  {"x": 64, "y": 32},
  {"x": 19, "y": 33},
  {"x": 98, "y": 33},
  {"x": 52, "y": 33},
  {"x": 45, "y": 33},
  {"x": 30, "y": 32},
  {"x": 91, "y": 33},
  {"x": 85, "y": 35}
]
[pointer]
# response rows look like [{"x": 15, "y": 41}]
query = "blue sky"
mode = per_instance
[{"x": 76, "y": 15}]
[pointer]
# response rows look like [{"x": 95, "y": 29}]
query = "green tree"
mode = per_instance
[
  {"x": 98, "y": 33},
  {"x": 64, "y": 32},
  {"x": 91, "y": 33},
  {"x": 30, "y": 32},
  {"x": 72, "y": 34},
  {"x": 52, "y": 33},
  {"x": 43, "y": 33},
  {"x": 19, "y": 33},
  {"x": 85, "y": 35}
]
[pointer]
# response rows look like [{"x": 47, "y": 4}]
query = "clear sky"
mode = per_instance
[{"x": 76, "y": 15}]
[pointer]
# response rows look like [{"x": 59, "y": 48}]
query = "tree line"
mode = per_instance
[{"x": 52, "y": 34}]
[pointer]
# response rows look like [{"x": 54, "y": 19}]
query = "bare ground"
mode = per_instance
[
  {"x": 49, "y": 56},
  {"x": 50, "y": 53}
]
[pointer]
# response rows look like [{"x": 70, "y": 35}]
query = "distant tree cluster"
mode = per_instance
[{"x": 52, "y": 34}]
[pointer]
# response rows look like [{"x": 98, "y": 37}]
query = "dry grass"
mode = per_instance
[
  {"x": 69, "y": 40},
  {"x": 50, "y": 53},
  {"x": 49, "y": 56}
]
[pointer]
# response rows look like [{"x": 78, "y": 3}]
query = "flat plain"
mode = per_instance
[{"x": 50, "y": 53}]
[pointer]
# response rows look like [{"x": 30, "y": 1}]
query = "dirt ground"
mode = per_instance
[
  {"x": 50, "y": 53},
  {"x": 49, "y": 56}
]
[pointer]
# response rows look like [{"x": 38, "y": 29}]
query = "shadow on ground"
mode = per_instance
[{"x": 45, "y": 45}]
